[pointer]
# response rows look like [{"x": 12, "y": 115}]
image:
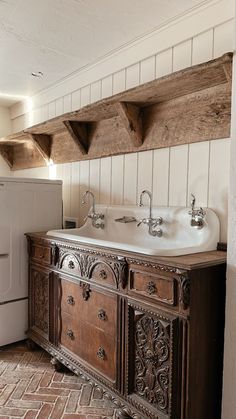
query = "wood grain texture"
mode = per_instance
[
  {"x": 131, "y": 117},
  {"x": 79, "y": 133},
  {"x": 187, "y": 106},
  {"x": 43, "y": 143}
]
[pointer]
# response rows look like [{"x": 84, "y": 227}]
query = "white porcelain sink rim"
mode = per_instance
[{"x": 205, "y": 239}]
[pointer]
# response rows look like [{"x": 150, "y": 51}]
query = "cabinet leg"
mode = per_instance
[
  {"x": 57, "y": 365},
  {"x": 120, "y": 414},
  {"x": 31, "y": 345}
]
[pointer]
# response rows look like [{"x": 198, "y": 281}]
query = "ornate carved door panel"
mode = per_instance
[
  {"x": 39, "y": 301},
  {"x": 153, "y": 366}
]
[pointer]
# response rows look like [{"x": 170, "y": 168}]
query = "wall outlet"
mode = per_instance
[{"x": 69, "y": 222}]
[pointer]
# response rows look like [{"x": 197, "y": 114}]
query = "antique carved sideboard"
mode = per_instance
[{"x": 148, "y": 331}]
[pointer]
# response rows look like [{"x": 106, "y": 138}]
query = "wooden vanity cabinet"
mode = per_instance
[{"x": 147, "y": 331}]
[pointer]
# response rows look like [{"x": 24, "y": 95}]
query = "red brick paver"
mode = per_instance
[{"x": 30, "y": 388}]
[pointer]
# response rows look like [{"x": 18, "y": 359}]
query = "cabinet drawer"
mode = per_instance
[
  {"x": 156, "y": 287},
  {"x": 103, "y": 274},
  {"x": 91, "y": 344},
  {"x": 97, "y": 308},
  {"x": 42, "y": 254}
]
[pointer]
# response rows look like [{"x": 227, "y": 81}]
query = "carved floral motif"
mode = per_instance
[
  {"x": 184, "y": 291},
  {"x": 152, "y": 361},
  {"x": 41, "y": 301}
]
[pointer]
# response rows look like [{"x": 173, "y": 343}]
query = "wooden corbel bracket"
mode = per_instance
[
  {"x": 131, "y": 118},
  {"x": 43, "y": 143},
  {"x": 6, "y": 151},
  {"x": 78, "y": 132}
]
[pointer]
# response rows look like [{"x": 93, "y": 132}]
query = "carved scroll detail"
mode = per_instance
[
  {"x": 41, "y": 301},
  {"x": 184, "y": 297},
  {"x": 153, "y": 361}
]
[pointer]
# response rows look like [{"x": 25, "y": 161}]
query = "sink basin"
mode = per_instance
[{"x": 179, "y": 237}]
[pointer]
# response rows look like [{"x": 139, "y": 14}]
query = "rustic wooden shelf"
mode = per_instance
[{"x": 187, "y": 106}]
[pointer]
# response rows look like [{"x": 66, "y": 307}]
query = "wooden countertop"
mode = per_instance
[{"x": 187, "y": 262}]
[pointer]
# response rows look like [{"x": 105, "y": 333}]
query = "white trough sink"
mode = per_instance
[{"x": 179, "y": 237}]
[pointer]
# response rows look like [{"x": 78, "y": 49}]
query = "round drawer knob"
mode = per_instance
[
  {"x": 70, "y": 300},
  {"x": 102, "y": 314},
  {"x": 151, "y": 288},
  {"x": 103, "y": 274},
  {"x": 101, "y": 353},
  {"x": 71, "y": 264},
  {"x": 70, "y": 334}
]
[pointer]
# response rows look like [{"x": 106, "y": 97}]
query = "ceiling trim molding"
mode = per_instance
[{"x": 194, "y": 21}]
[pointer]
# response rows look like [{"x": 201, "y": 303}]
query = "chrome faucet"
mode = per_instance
[
  {"x": 197, "y": 214},
  {"x": 150, "y": 221},
  {"x": 95, "y": 217}
]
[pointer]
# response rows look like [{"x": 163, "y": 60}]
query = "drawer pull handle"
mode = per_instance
[
  {"x": 101, "y": 353},
  {"x": 70, "y": 300},
  {"x": 151, "y": 288},
  {"x": 103, "y": 274},
  {"x": 102, "y": 314},
  {"x": 71, "y": 264},
  {"x": 70, "y": 334}
]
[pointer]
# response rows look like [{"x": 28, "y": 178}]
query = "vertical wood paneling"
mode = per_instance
[
  {"x": 66, "y": 195},
  {"x": 51, "y": 110},
  {"x": 132, "y": 76},
  {"x": 105, "y": 181},
  {"x": 161, "y": 160},
  {"x": 84, "y": 185},
  {"x": 130, "y": 178},
  {"x": 224, "y": 36},
  {"x": 117, "y": 180},
  {"x": 107, "y": 87},
  {"x": 182, "y": 55},
  {"x": 164, "y": 63},
  {"x": 95, "y": 91},
  {"x": 147, "y": 69},
  {"x": 75, "y": 189},
  {"x": 67, "y": 103},
  {"x": 44, "y": 113},
  {"x": 75, "y": 100},
  {"x": 85, "y": 95},
  {"x": 145, "y": 174},
  {"x": 198, "y": 171},
  {"x": 219, "y": 181},
  {"x": 59, "y": 106},
  {"x": 178, "y": 175},
  {"x": 119, "y": 82},
  {"x": 172, "y": 174},
  {"x": 94, "y": 180},
  {"x": 202, "y": 47}
]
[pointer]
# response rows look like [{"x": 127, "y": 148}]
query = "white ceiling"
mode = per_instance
[{"x": 59, "y": 37}]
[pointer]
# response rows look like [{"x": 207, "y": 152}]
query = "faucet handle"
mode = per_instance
[{"x": 193, "y": 200}]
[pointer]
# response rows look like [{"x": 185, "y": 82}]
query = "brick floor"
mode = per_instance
[{"x": 30, "y": 388}]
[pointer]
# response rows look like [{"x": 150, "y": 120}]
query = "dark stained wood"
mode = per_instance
[
  {"x": 154, "y": 344},
  {"x": 43, "y": 143},
  {"x": 131, "y": 117},
  {"x": 187, "y": 106},
  {"x": 79, "y": 133}
]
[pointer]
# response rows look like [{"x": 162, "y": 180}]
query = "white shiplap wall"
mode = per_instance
[{"x": 171, "y": 173}]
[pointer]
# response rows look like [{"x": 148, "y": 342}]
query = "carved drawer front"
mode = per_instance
[
  {"x": 69, "y": 262},
  {"x": 153, "y": 362},
  {"x": 156, "y": 287},
  {"x": 41, "y": 253},
  {"x": 91, "y": 344},
  {"x": 103, "y": 274},
  {"x": 86, "y": 303}
]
